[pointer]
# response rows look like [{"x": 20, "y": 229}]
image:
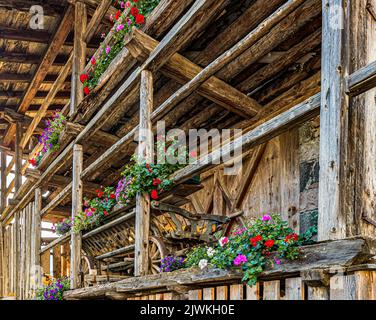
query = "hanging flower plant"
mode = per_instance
[
  {"x": 50, "y": 136},
  {"x": 62, "y": 227},
  {"x": 124, "y": 20},
  {"x": 95, "y": 210},
  {"x": 267, "y": 241},
  {"x": 149, "y": 178}
]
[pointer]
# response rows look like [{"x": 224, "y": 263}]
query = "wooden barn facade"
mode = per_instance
[{"x": 297, "y": 77}]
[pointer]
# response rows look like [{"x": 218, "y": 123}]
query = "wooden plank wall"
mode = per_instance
[
  {"x": 268, "y": 183},
  {"x": 361, "y": 285},
  {"x": 21, "y": 281}
]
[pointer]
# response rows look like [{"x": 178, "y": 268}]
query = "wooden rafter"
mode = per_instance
[
  {"x": 52, "y": 52},
  {"x": 182, "y": 70}
]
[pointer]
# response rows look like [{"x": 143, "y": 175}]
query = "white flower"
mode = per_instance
[
  {"x": 203, "y": 264},
  {"x": 210, "y": 252}
]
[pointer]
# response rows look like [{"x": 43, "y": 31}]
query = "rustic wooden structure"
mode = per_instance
[{"x": 289, "y": 75}]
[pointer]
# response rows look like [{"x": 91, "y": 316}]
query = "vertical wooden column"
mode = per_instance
[
  {"x": 79, "y": 55},
  {"x": 2, "y": 264},
  {"x": 347, "y": 139},
  {"x": 76, "y": 207},
  {"x": 3, "y": 180},
  {"x": 18, "y": 157},
  {"x": 37, "y": 234},
  {"x": 333, "y": 123},
  {"x": 145, "y": 148},
  {"x": 362, "y": 123},
  {"x": 17, "y": 252}
]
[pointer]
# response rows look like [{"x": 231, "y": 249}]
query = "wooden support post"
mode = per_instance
[
  {"x": 144, "y": 152},
  {"x": 2, "y": 263},
  {"x": 17, "y": 252},
  {"x": 3, "y": 180},
  {"x": 79, "y": 55},
  {"x": 362, "y": 126},
  {"x": 18, "y": 157},
  {"x": 57, "y": 262},
  {"x": 347, "y": 172},
  {"x": 76, "y": 207},
  {"x": 334, "y": 121},
  {"x": 37, "y": 234}
]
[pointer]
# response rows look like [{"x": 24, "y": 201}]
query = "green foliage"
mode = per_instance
[
  {"x": 95, "y": 211},
  {"x": 263, "y": 242},
  {"x": 126, "y": 23},
  {"x": 140, "y": 176},
  {"x": 195, "y": 256}
]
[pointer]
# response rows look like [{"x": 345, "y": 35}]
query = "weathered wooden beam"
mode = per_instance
[
  {"x": 264, "y": 132},
  {"x": 76, "y": 207},
  {"x": 333, "y": 125},
  {"x": 361, "y": 80},
  {"x": 46, "y": 103},
  {"x": 37, "y": 234},
  {"x": 109, "y": 225},
  {"x": 230, "y": 54},
  {"x": 79, "y": 56},
  {"x": 50, "y": 7},
  {"x": 326, "y": 255},
  {"x": 57, "y": 200},
  {"x": 183, "y": 70},
  {"x": 96, "y": 19},
  {"x": 26, "y": 58},
  {"x": 195, "y": 18},
  {"x": 56, "y": 242},
  {"x": 18, "y": 157},
  {"x": 3, "y": 181},
  {"x": 145, "y": 151},
  {"x": 41, "y": 72}
]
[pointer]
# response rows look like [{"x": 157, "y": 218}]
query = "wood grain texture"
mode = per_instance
[
  {"x": 145, "y": 152},
  {"x": 76, "y": 207}
]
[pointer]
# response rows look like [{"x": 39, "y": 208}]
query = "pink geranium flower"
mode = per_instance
[
  {"x": 266, "y": 218},
  {"x": 241, "y": 258},
  {"x": 223, "y": 241}
]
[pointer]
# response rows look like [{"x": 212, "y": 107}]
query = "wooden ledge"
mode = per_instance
[{"x": 322, "y": 256}]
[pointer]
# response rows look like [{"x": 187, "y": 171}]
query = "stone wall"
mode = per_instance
[{"x": 309, "y": 150}]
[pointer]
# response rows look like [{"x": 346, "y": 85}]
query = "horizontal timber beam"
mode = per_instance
[
  {"x": 260, "y": 134},
  {"x": 362, "y": 80},
  {"x": 182, "y": 70},
  {"x": 323, "y": 256}
]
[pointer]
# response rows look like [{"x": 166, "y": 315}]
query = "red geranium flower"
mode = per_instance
[
  {"x": 105, "y": 212},
  {"x": 156, "y": 182},
  {"x": 269, "y": 243},
  {"x": 100, "y": 194},
  {"x": 118, "y": 13},
  {"x": 154, "y": 195},
  {"x": 84, "y": 77},
  {"x": 134, "y": 11},
  {"x": 33, "y": 162},
  {"x": 93, "y": 61},
  {"x": 255, "y": 240},
  {"x": 86, "y": 90},
  {"x": 112, "y": 196},
  {"x": 140, "y": 19},
  {"x": 291, "y": 236}
]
